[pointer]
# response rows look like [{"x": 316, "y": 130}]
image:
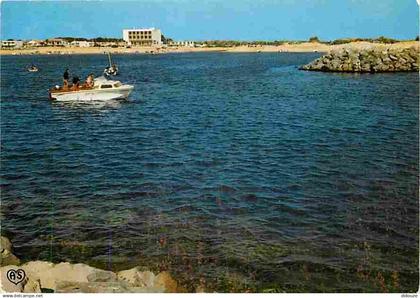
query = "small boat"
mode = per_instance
[
  {"x": 33, "y": 68},
  {"x": 103, "y": 89},
  {"x": 112, "y": 69}
]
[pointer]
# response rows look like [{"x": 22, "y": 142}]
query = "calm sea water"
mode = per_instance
[{"x": 236, "y": 172}]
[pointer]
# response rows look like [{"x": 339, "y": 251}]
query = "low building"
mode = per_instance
[
  {"x": 11, "y": 44},
  {"x": 113, "y": 44},
  {"x": 143, "y": 37},
  {"x": 57, "y": 42},
  {"x": 189, "y": 44},
  {"x": 35, "y": 43},
  {"x": 82, "y": 43},
  {"x": 104, "y": 43}
]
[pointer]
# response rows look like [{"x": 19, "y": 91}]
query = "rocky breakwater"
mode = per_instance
[
  {"x": 41, "y": 276},
  {"x": 374, "y": 59}
]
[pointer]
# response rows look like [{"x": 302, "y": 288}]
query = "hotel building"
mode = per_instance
[
  {"x": 11, "y": 44},
  {"x": 143, "y": 37}
]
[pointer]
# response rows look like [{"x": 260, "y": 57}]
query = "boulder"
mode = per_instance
[
  {"x": 165, "y": 281},
  {"x": 367, "y": 60},
  {"x": 137, "y": 278},
  {"x": 101, "y": 287},
  {"x": 50, "y": 274},
  {"x": 91, "y": 287},
  {"x": 5, "y": 244},
  {"x": 102, "y": 276},
  {"x": 7, "y": 257}
]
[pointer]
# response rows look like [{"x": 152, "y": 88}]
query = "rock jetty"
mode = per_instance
[
  {"x": 41, "y": 276},
  {"x": 367, "y": 60}
]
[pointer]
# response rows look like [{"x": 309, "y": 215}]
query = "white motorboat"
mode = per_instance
[
  {"x": 33, "y": 68},
  {"x": 103, "y": 89}
]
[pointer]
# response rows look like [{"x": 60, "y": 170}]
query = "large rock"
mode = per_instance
[
  {"x": 367, "y": 60},
  {"x": 91, "y": 287},
  {"x": 7, "y": 257},
  {"x": 162, "y": 283},
  {"x": 102, "y": 287},
  {"x": 50, "y": 274},
  {"x": 137, "y": 278},
  {"x": 5, "y": 244},
  {"x": 164, "y": 280}
]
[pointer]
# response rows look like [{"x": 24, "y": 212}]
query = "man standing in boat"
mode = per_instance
[{"x": 66, "y": 79}]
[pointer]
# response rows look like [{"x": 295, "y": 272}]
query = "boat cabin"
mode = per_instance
[{"x": 99, "y": 83}]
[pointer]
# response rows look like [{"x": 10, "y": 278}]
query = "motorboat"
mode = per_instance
[
  {"x": 33, "y": 68},
  {"x": 102, "y": 89},
  {"x": 112, "y": 69}
]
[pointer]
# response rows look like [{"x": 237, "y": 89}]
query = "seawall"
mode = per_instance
[{"x": 373, "y": 59}]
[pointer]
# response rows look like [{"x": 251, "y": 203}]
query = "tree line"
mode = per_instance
[{"x": 97, "y": 39}]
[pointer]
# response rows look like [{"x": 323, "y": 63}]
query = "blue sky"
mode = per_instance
[{"x": 213, "y": 19}]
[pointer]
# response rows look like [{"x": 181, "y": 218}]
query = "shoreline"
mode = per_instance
[
  {"x": 64, "y": 277},
  {"x": 306, "y": 47}
]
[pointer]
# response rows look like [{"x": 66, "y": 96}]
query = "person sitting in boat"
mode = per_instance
[
  {"x": 66, "y": 79},
  {"x": 90, "y": 81},
  {"x": 76, "y": 83}
]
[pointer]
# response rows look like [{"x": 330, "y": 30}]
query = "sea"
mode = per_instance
[{"x": 235, "y": 172}]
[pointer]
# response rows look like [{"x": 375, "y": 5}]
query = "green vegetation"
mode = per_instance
[
  {"x": 106, "y": 39},
  {"x": 381, "y": 39},
  {"x": 97, "y": 39},
  {"x": 166, "y": 40},
  {"x": 236, "y": 43},
  {"x": 314, "y": 39}
]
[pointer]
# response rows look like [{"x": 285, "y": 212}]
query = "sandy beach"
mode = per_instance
[{"x": 301, "y": 47}]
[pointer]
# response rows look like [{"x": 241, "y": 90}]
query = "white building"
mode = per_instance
[
  {"x": 11, "y": 44},
  {"x": 189, "y": 44},
  {"x": 112, "y": 44},
  {"x": 143, "y": 37},
  {"x": 57, "y": 42},
  {"x": 36, "y": 43},
  {"x": 82, "y": 43}
]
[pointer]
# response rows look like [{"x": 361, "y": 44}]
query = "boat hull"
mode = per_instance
[{"x": 94, "y": 94}]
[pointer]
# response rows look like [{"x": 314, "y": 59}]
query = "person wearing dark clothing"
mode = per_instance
[
  {"x": 66, "y": 78},
  {"x": 76, "y": 82}
]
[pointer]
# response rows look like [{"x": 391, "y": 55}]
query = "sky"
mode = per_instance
[{"x": 213, "y": 19}]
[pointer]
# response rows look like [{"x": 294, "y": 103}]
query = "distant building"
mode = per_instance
[
  {"x": 11, "y": 44},
  {"x": 57, "y": 42},
  {"x": 35, "y": 43},
  {"x": 113, "y": 44},
  {"x": 143, "y": 37},
  {"x": 82, "y": 43},
  {"x": 189, "y": 44},
  {"x": 104, "y": 43}
]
